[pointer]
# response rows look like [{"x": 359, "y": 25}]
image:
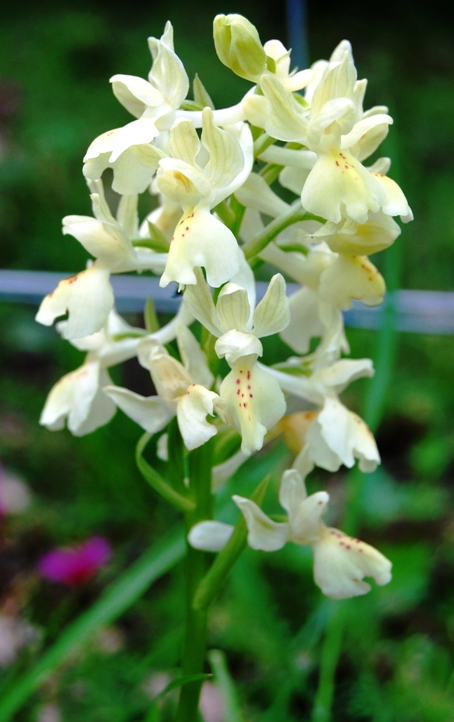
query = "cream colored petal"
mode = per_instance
[
  {"x": 339, "y": 186},
  {"x": 183, "y": 183},
  {"x": 151, "y": 413},
  {"x": 138, "y": 132},
  {"x": 87, "y": 298},
  {"x": 210, "y": 536},
  {"x": 341, "y": 563},
  {"x": 227, "y": 158},
  {"x": 234, "y": 344},
  {"x": 192, "y": 356},
  {"x": 168, "y": 73},
  {"x": 255, "y": 193},
  {"x": 263, "y": 533},
  {"x": 292, "y": 491},
  {"x": 287, "y": 120},
  {"x": 352, "y": 277},
  {"x": 305, "y": 519},
  {"x": 184, "y": 142},
  {"x": 305, "y": 322},
  {"x": 104, "y": 244},
  {"x": 338, "y": 375},
  {"x": 337, "y": 110},
  {"x": 135, "y": 94},
  {"x": 232, "y": 309},
  {"x": 200, "y": 240},
  {"x": 198, "y": 299},
  {"x": 338, "y": 79},
  {"x": 346, "y": 435},
  {"x": 351, "y": 238},
  {"x": 192, "y": 409},
  {"x": 256, "y": 109},
  {"x": 253, "y": 400},
  {"x": 272, "y": 314},
  {"x": 395, "y": 203},
  {"x": 77, "y": 398},
  {"x": 319, "y": 449},
  {"x": 366, "y": 135},
  {"x": 170, "y": 377},
  {"x": 303, "y": 462}
]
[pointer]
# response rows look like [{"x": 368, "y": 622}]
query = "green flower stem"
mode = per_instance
[
  {"x": 212, "y": 583},
  {"x": 262, "y": 143},
  {"x": 225, "y": 213},
  {"x": 196, "y": 566},
  {"x": 294, "y": 214},
  {"x": 270, "y": 172},
  {"x": 238, "y": 210}
]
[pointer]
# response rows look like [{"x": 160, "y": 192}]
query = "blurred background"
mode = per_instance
[{"x": 394, "y": 653}]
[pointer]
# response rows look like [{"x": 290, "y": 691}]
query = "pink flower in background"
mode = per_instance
[{"x": 75, "y": 565}]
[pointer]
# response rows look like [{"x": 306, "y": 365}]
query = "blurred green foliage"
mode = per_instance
[{"x": 397, "y": 652}]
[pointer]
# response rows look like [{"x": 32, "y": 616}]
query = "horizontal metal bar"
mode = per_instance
[{"x": 416, "y": 311}]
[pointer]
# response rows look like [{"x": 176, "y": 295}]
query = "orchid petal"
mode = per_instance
[
  {"x": 87, "y": 298},
  {"x": 201, "y": 240},
  {"x": 352, "y": 277},
  {"x": 341, "y": 563},
  {"x": 151, "y": 413},
  {"x": 192, "y": 409},
  {"x": 286, "y": 121},
  {"x": 210, "y": 536},
  {"x": 135, "y": 94},
  {"x": 232, "y": 309},
  {"x": 337, "y": 180},
  {"x": 253, "y": 400},
  {"x": 78, "y": 398},
  {"x": 194, "y": 359},
  {"x": 199, "y": 301},
  {"x": 272, "y": 314},
  {"x": 263, "y": 533}
]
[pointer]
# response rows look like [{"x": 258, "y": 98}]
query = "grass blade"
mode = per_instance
[{"x": 118, "y": 597}]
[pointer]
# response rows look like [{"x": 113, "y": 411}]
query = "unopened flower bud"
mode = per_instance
[{"x": 238, "y": 46}]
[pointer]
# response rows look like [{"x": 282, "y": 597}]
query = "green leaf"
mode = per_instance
[
  {"x": 118, "y": 597},
  {"x": 157, "y": 241},
  {"x": 201, "y": 96},
  {"x": 180, "y": 682},
  {"x": 157, "y": 482},
  {"x": 150, "y": 318}
]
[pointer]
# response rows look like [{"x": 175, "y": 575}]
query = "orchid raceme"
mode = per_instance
[{"x": 277, "y": 184}]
